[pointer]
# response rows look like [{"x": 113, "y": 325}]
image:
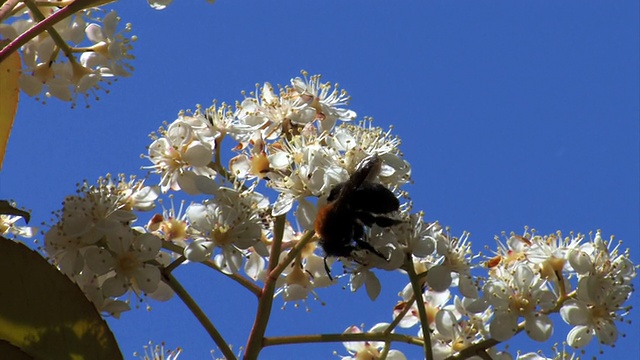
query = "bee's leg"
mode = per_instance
[
  {"x": 369, "y": 219},
  {"x": 365, "y": 218},
  {"x": 385, "y": 222},
  {"x": 361, "y": 242},
  {"x": 364, "y": 245},
  {"x": 326, "y": 268}
]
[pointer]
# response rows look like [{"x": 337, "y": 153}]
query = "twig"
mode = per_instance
[
  {"x": 170, "y": 280},
  {"x": 481, "y": 347},
  {"x": 6, "y": 8},
  {"x": 256, "y": 337},
  {"x": 324, "y": 338},
  {"x": 38, "y": 16},
  {"x": 417, "y": 292},
  {"x": 401, "y": 315},
  {"x": 55, "y": 18}
]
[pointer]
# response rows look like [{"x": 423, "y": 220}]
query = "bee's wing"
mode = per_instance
[{"x": 374, "y": 198}]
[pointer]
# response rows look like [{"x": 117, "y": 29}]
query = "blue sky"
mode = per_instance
[{"x": 511, "y": 114}]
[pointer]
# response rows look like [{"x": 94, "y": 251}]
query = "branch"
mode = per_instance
[
  {"x": 481, "y": 347},
  {"x": 47, "y": 23},
  {"x": 170, "y": 280},
  {"x": 304, "y": 240},
  {"x": 401, "y": 315},
  {"x": 6, "y": 8},
  {"x": 424, "y": 321},
  {"x": 174, "y": 264},
  {"x": 256, "y": 338},
  {"x": 325, "y": 338}
]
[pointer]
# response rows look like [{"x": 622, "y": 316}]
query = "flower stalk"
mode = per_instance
[
  {"x": 175, "y": 285},
  {"x": 256, "y": 337},
  {"x": 47, "y": 23},
  {"x": 424, "y": 321},
  {"x": 327, "y": 338}
]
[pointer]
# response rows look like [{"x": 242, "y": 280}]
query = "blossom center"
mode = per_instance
[
  {"x": 521, "y": 304},
  {"x": 127, "y": 263},
  {"x": 175, "y": 229},
  {"x": 220, "y": 236}
]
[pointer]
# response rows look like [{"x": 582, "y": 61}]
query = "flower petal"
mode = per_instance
[
  {"x": 439, "y": 278},
  {"x": 579, "y": 336},
  {"x": 147, "y": 278},
  {"x": 503, "y": 326},
  {"x": 607, "y": 332},
  {"x": 538, "y": 326},
  {"x": 199, "y": 251},
  {"x": 574, "y": 313}
]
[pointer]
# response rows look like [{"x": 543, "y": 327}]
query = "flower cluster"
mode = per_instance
[
  {"x": 531, "y": 277},
  {"x": 298, "y": 142},
  {"x": 94, "y": 243},
  {"x": 83, "y": 52},
  {"x": 297, "y": 153},
  {"x": 80, "y": 53}
]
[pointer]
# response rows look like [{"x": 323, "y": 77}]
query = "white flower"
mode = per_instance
[
  {"x": 48, "y": 70},
  {"x": 367, "y": 278},
  {"x": 325, "y": 99},
  {"x": 456, "y": 256},
  {"x": 132, "y": 194},
  {"x": 65, "y": 251},
  {"x": 517, "y": 296},
  {"x": 88, "y": 217},
  {"x": 230, "y": 221},
  {"x": 105, "y": 305},
  {"x": 96, "y": 211},
  {"x": 433, "y": 301},
  {"x": 452, "y": 333},
  {"x": 419, "y": 237},
  {"x": 8, "y": 226},
  {"x": 158, "y": 352},
  {"x": 297, "y": 284},
  {"x": 549, "y": 254},
  {"x": 111, "y": 48},
  {"x": 602, "y": 270},
  {"x": 363, "y": 140},
  {"x": 590, "y": 320},
  {"x": 603, "y": 287},
  {"x": 127, "y": 259},
  {"x": 171, "y": 225},
  {"x": 361, "y": 350},
  {"x": 180, "y": 157},
  {"x": 315, "y": 169}
]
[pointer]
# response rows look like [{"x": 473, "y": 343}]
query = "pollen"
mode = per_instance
[
  {"x": 260, "y": 165},
  {"x": 551, "y": 267},
  {"x": 127, "y": 263},
  {"x": 221, "y": 236},
  {"x": 174, "y": 229}
]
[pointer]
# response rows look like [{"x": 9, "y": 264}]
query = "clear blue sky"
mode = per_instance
[{"x": 511, "y": 113}]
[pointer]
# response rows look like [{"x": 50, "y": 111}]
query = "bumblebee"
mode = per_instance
[{"x": 352, "y": 205}]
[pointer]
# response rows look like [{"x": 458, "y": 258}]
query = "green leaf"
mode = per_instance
[
  {"x": 43, "y": 315},
  {"x": 12, "y": 352}
]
